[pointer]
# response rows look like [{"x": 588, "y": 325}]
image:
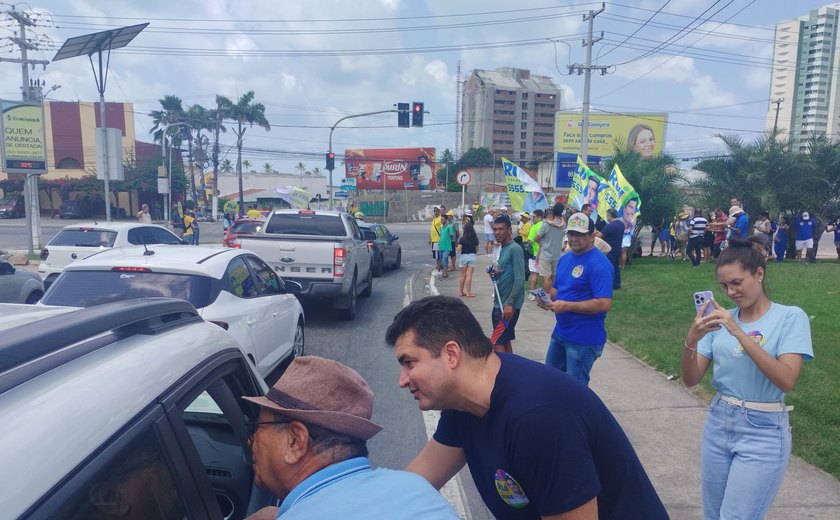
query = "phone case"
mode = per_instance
[{"x": 700, "y": 298}]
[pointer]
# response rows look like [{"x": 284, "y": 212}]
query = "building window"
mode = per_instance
[
  {"x": 69, "y": 163},
  {"x": 521, "y": 155},
  {"x": 523, "y": 135},
  {"x": 523, "y": 125},
  {"x": 524, "y": 95},
  {"x": 523, "y": 144},
  {"x": 525, "y": 106},
  {"x": 524, "y": 116}
]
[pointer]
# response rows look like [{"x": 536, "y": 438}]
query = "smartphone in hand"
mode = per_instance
[{"x": 700, "y": 298}]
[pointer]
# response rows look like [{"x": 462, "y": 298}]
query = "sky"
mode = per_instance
[{"x": 705, "y": 63}]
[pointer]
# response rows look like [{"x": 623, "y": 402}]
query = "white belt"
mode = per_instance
[{"x": 756, "y": 405}]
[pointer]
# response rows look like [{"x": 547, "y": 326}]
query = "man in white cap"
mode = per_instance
[
  {"x": 309, "y": 449},
  {"x": 803, "y": 227},
  {"x": 582, "y": 295}
]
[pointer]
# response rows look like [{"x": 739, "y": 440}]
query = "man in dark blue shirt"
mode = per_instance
[
  {"x": 612, "y": 234},
  {"x": 538, "y": 443}
]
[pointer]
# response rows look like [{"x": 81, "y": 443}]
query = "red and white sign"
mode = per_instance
[
  {"x": 395, "y": 167},
  {"x": 463, "y": 177}
]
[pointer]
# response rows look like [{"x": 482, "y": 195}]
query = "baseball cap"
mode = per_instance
[
  {"x": 805, "y": 215},
  {"x": 451, "y": 213},
  {"x": 468, "y": 212},
  {"x": 325, "y": 393},
  {"x": 503, "y": 208},
  {"x": 578, "y": 223},
  {"x": 525, "y": 215},
  {"x": 734, "y": 210}
]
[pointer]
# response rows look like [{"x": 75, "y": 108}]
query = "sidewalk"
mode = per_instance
[{"x": 662, "y": 419}]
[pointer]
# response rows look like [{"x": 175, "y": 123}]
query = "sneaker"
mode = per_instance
[{"x": 435, "y": 272}]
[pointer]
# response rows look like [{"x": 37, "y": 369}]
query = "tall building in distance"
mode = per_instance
[
  {"x": 804, "y": 86},
  {"x": 511, "y": 112}
]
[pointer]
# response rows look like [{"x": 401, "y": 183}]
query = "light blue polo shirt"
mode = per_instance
[
  {"x": 782, "y": 330},
  {"x": 352, "y": 490}
]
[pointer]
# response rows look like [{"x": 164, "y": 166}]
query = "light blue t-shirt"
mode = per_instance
[
  {"x": 352, "y": 490},
  {"x": 782, "y": 330}
]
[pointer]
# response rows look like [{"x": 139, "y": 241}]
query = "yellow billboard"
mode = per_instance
[
  {"x": 644, "y": 133},
  {"x": 24, "y": 142}
]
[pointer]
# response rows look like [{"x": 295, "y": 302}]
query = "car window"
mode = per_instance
[
  {"x": 88, "y": 288},
  {"x": 380, "y": 232},
  {"x": 136, "y": 481},
  {"x": 241, "y": 282},
  {"x": 267, "y": 280},
  {"x": 369, "y": 234},
  {"x": 354, "y": 228},
  {"x": 151, "y": 235},
  {"x": 84, "y": 237},
  {"x": 244, "y": 228},
  {"x": 305, "y": 224}
]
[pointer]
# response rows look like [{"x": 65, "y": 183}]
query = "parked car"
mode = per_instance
[
  {"x": 322, "y": 250},
  {"x": 18, "y": 285},
  {"x": 242, "y": 227},
  {"x": 232, "y": 288},
  {"x": 12, "y": 207},
  {"x": 384, "y": 245},
  {"x": 80, "y": 240},
  {"x": 139, "y": 405},
  {"x": 76, "y": 208}
]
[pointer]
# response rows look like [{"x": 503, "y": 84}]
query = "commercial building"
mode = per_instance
[
  {"x": 804, "y": 90},
  {"x": 511, "y": 112}
]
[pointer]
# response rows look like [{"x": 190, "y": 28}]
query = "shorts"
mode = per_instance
[
  {"x": 489, "y": 237},
  {"x": 547, "y": 268},
  {"x": 532, "y": 265},
  {"x": 626, "y": 240},
  {"x": 466, "y": 260},
  {"x": 444, "y": 256},
  {"x": 804, "y": 244},
  {"x": 510, "y": 332},
  {"x": 435, "y": 250}
]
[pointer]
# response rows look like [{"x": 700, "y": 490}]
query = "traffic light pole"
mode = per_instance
[{"x": 332, "y": 128}]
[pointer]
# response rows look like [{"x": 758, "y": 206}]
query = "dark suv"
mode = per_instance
[
  {"x": 76, "y": 208},
  {"x": 12, "y": 207}
]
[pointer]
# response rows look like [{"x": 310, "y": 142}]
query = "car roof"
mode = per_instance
[
  {"x": 73, "y": 407},
  {"x": 212, "y": 261},
  {"x": 110, "y": 226}
]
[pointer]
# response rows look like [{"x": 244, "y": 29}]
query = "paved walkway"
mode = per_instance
[{"x": 662, "y": 419}]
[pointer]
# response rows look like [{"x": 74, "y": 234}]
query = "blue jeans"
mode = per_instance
[
  {"x": 743, "y": 458},
  {"x": 573, "y": 358}
]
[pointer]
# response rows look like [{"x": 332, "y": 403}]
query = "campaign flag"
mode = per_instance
[
  {"x": 586, "y": 185},
  {"x": 619, "y": 194},
  {"x": 524, "y": 192},
  {"x": 297, "y": 198}
]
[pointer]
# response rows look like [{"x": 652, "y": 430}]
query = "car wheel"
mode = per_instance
[
  {"x": 349, "y": 313},
  {"x": 369, "y": 289},
  {"x": 399, "y": 259},
  {"x": 378, "y": 266},
  {"x": 297, "y": 347},
  {"x": 33, "y": 297}
]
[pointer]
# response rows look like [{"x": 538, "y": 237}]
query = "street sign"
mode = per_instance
[
  {"x": 408, "y": 185},
  {"x": 348, "y": 183},
  {"x": 463, "y": 177},
  {"x": 340, "y": 194}
]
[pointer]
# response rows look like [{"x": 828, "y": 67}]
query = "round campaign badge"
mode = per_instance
[
  {"x": 510, "y": 491},
  {"x": 577, "y": 271}
]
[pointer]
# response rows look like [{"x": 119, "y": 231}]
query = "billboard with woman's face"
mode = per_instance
[{"x": 640, "y": 133}]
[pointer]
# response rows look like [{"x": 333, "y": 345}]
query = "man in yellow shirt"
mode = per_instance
[
  {"x": 434, "y": 239},
  {"x": 524, "y": 226},
  {"x": 253, "y": 213},
  {"x": 189, "y": 235}
]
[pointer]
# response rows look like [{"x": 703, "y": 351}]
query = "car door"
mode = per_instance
[
  {"x": 384, "y": 240},
  {"x": 362, "y": 256},
  {"x": 274, "y": 338},
  {"x": 10, "y": 285}
]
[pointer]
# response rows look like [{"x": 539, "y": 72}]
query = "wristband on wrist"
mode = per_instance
[{"x": 692, "y": 349}]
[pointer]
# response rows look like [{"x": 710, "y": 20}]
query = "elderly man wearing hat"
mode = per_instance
[
  {"x": 309, "y": 450},
  {"x": 739, "y": 223},
  {"x": 582, "y": 295}
]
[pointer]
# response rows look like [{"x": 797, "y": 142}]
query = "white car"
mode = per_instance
[
  {"x": 232, "y": 288},
  {"x": 80, "y": 240}
]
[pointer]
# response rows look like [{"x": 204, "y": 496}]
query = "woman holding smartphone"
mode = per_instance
[{"x": 757, "y": 350}]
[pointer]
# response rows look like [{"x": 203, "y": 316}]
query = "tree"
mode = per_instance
[
  {"x": 227, "y": 166},
  {"x": 245, "y": 114},
  {"x": 267, "y": 168},
  {"x": 445, "y": 168},
  {"x": 217, "y": 116},
  {"x": 246, "y": 164},
  {"x": 475, "y": 157},
  {"x": 315, "y": 171},
  {"x": 172, "y": 112},
  {"x": 300, "y": 168}
]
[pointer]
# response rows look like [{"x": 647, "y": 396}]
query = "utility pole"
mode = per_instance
[
  {"x": 778, "y": 102},
  {"x": 30, "y": 93},
  {"x": 587, "y": 71}
]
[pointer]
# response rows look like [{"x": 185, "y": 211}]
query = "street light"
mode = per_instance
[{"x": 168, "y": 207}]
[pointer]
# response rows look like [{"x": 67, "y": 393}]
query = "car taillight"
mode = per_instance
[
  {"x": 339, "y": 259},
  {"x": 45, "y": 253},
  {"x": 132, "y": 269},
  {"x": 236, "y": 243},
  {"x": 221, "y": 324},
  {"x": 370, "y": 244}
]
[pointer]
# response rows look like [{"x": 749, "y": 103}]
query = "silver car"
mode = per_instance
[{"x": 18, "y": 285}]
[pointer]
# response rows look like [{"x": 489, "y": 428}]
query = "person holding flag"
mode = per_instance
[{"x": 508, "y": 275}]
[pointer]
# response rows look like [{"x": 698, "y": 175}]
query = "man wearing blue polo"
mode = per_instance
[
  {"x": 582, "y": 295},
  {"x": 803, "y": 228}
]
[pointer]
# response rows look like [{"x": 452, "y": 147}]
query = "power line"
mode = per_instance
[{"x": 634, "y": 32}]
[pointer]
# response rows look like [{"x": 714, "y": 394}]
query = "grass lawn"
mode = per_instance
[{"x": 653, "y": 310}]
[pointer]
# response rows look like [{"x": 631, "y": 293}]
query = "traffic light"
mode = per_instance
[
  {"x": 330, "y": 161},
  {"x": 417, "y": 114},
  {"x": 402, "y": 115}
]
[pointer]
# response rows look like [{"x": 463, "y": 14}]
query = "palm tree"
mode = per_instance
[
  {"x": 315, "y": 171},
  {"x": 199, "y": 119},
  {"x": 217, "y": 116},
  {"x": 244, "y": 112},
  {"x": 226, "y": 166},
  {"x": 300, "y": 167},
  {"x": 246, "y": 165},
  {"x": 172, "y": 112},
  {"x": 267, "y": 168}
]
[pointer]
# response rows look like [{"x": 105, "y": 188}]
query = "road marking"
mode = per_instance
[{"x": 452, "y": 491}]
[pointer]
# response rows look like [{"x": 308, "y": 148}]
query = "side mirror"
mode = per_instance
[
  {"x": 395, "y": 237},
  {"x": 293, "y": 287},
  {"x": 6, "y": 268}
]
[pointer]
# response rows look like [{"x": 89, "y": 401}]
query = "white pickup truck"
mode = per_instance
[{"x": 324, "y": 251}]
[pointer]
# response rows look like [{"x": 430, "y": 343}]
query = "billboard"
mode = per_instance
[
  {"x": 391, "y": 168},
  {"x": 643, "y": 133},
  {"x": 24, "y": 140}
]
